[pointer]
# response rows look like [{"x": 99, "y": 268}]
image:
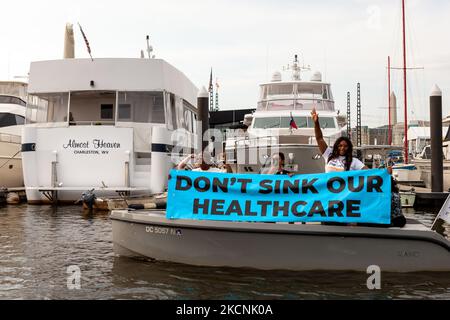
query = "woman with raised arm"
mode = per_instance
[{"x": 340, "y": 157}]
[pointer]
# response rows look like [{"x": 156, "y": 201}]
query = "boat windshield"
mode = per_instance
[
  {"x": 308, "y": 91},
  {"x": 285, "y": 122},
  {"x": 296, "y": 96},
  {"x": 9, "y": 119}
]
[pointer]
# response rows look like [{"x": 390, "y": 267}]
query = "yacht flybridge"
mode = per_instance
[
  {"x": 272, "y": 129},
  {"x": 90, "y": 124}
]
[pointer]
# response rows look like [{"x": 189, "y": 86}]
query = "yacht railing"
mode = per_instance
[
  {"x": 92, "y": 123},
  {"x": 268, "y": 141},
  {"x": 296, "y": 104}
]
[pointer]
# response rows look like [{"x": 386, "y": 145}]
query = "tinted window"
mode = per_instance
[
  {"x": 267, "y": 123},
  {"x": 107, "y": 112},
  {"x": 20, "y": 120},
  {"x": 7, "y": 120},
  {"x": 12, "y": 100}
]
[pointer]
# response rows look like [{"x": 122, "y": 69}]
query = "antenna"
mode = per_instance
[
  {"x": 149, "y": 49},
  {"x": 297, "y": 69}
]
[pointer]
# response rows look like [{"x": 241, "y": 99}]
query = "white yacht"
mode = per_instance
[
  {"x": 423, "y": 161},
  {"x": 102, "y": 124},
  {"x": 271, "y": 131},
  {"x": 12, "y": 118}
]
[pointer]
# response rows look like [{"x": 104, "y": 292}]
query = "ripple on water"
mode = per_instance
[{"x": 38, "y": 244}]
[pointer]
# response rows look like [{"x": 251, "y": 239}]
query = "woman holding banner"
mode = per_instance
[{"x": 340, "y": 157}]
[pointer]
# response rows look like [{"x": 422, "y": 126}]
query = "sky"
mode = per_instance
[{"x": 246, "y": 41}]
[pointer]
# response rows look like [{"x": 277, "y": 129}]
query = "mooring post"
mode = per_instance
[
  {"x": 437, "y": 163},
  {"x": 203, "y": 112}
]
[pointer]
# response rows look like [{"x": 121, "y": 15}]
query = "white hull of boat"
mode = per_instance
[
  {"x": 11, "y": 173},
  {"x": 424, "y": 170}
]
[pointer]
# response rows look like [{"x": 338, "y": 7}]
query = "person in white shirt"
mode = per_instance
[{"x": 340, "y": 157}]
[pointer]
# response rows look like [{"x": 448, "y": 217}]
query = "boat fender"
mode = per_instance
[{"x": 158, "y": 205}]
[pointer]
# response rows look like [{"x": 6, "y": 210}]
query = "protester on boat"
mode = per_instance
[
  {"x": 204, "y": 163},
  {"x": 277, "y": 165},
  {"x": 398, "y": 220},
  {"x": 340, "y": 156}
]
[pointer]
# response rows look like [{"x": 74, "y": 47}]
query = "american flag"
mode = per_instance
[
  {"x": 293, "y": 124},
  {"x": 86, "y": 41}
]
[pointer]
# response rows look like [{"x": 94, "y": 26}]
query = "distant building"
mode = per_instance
[{"x": 365, "y": 136}]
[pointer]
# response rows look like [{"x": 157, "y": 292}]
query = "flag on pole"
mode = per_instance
[
  {"x": 293, "y": 124},
  {"x": 86, "y": 41},
  {"x": 444, "y": 214}
]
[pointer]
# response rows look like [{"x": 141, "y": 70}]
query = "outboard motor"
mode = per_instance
[{"x": 88, "y": 198}]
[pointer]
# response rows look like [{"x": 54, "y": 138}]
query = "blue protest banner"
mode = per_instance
[{"x": 347, "y": 197}]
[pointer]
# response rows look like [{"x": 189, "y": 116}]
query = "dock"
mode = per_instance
[{"x": 425, "y": 198}]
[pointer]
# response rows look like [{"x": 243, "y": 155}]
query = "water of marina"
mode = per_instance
[{"x": 38, "y": 244}]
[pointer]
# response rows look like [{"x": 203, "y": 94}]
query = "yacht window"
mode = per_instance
[
  {"x": 281, "y": 105},
  {"x": 285, "y": 123},
  {"x": 145, "y": 107},
  {"x": 267, "y": 123},
  {"x": 188, "y": 120},
  {"x": 92, "y": 108},
  {"x": 20, "y": 120},
  {"x": 195, "y": 123},
  {"x": 170, "y": 110},
  {"x": 325, "y": 93},
  {"x": 325, "y": 123},
  {"x": 310, "y": 91},
  {"x": 173, "y": 111},
  {"x": 47, "y": 108},
  {"x": 125, "y": 112},
  {"x": 7, "y": 120},
  {"x": 280, "y": 90},
  {"x": 107, "y": 112},
  {"x": 301, "y": 122},
  {"x": 158, "y": 115},
  {"x": 188, "y": 116},
  {"x": 179, "y": 113},
  {"x": 263, "y": 92},
  {"x": 12, "y": 100}
]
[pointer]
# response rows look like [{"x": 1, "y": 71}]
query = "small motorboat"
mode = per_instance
[
  {"x": 408, "y": 198},
  {"x": 278, "y": 246}
]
